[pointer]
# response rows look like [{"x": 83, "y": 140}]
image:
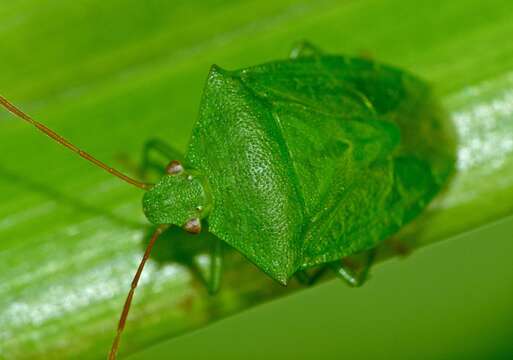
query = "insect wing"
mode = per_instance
[{"x": 399, "y": 147}]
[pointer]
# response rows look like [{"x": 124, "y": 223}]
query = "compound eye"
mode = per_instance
[
  {"x": 174, "y": 167},
  {"x": 193, "y": 226}
]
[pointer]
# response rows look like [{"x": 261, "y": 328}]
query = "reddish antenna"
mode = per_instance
[
  {"x": 126, "y": 308},
  {"x": 52, "y": 134}
]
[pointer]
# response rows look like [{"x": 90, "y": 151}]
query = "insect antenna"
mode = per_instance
[
  {"x": 133, "y": 286},
  {"x": 56, "y": 137}
]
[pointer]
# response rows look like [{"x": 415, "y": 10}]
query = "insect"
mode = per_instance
[{"x": 298, "y": 164}]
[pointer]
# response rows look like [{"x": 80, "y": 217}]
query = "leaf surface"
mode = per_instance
[{"x": 111, "y": 75}]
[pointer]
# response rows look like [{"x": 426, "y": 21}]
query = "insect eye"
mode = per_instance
[
  {"x": 193, "y": 226},
  {"x": 174, "y": 167}
]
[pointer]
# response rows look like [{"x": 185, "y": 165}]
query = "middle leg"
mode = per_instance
[{"x": 309, "y": 279}]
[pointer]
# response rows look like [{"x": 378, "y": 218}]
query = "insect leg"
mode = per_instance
[
  {"x": 350, "y": 274},
  {"x": 399, "y": 246},
  {"x": 158, "y": 147},
  {"x": 304, "y": 49},
  {"x": 216, "y": 266},
  {"x": 308, "y": 279}
]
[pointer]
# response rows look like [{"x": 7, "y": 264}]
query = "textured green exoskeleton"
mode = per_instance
[
  {"x": 305, "y": 161},
  {"x": 298, "y": 163}
]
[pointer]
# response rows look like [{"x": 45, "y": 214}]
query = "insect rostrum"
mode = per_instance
[{"x": 301, "y": 162}]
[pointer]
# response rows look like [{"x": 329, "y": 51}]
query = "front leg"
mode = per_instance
[
  {"x": 213, "y": 280},
  {"x": 161, "y": 149}
]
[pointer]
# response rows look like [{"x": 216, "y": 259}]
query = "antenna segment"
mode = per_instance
[
  {"x": 128, "y": 302},
  {"x": 56, "y": 137}
]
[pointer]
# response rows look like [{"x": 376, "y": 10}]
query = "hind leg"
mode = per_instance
[
  {"x": 304, "y": 49},
  {"x": 354, "y": 275}
]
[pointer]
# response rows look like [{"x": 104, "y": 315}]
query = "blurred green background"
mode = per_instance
[
  {"x": 110, "y": 75},
  {"x": 453, "y": 300}
]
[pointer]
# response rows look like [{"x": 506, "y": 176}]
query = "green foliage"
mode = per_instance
[{"x": 112, "y": 74}]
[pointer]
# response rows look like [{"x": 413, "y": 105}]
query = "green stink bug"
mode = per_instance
[{"x": 299, "y": 163}]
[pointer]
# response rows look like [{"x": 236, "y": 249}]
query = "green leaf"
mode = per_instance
[{"x": 111, "y": 75}]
